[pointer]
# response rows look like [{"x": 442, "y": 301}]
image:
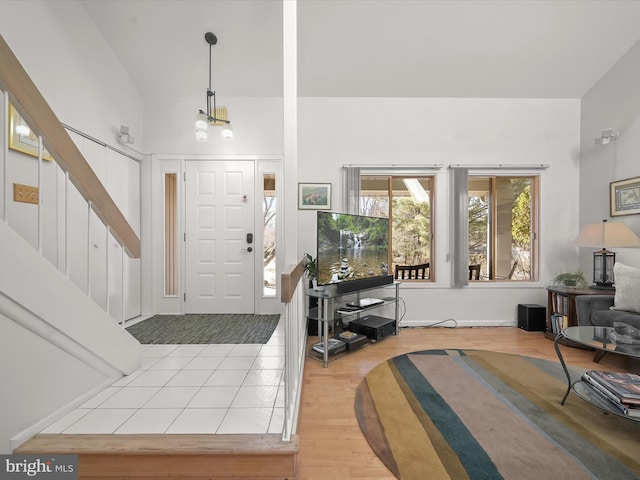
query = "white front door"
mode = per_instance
[{"x": 219, "y": 229}]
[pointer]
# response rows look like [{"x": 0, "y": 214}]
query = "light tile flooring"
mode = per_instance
[{"x": 213, "y": 389}]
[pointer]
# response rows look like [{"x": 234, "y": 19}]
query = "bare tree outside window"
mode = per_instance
[{"x": 269, "y": 234}]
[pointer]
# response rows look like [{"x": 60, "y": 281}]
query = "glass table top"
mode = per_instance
[{"x": 600, "y": 339}]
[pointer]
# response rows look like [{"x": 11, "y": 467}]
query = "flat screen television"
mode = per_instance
[{"x": 352, "y": 248}]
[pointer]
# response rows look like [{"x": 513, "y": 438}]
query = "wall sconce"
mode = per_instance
[
  {"x": 608, "y": 135},
  {"x": 212, "y": 116},
  {"x": 605, "y": 234},
  {"x": 124, "y": 137}
]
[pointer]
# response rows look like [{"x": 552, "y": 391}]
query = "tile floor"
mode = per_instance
[{"x": 222, "y": 389}]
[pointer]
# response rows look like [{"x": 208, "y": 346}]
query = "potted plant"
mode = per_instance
[
  {"x": 570, "y": 279},
  {"x": 310, "y": 270}
]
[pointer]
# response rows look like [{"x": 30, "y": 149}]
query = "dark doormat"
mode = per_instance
[{"x": 205, "y": 329}]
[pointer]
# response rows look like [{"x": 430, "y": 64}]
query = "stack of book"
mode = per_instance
[
  {"x": 620, "y": 389},
  {"x": 559, "y": 322}
]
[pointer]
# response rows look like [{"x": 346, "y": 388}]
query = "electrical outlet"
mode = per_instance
[{"x": 25, "y": 193}]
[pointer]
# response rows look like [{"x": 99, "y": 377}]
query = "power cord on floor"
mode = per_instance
[
  {"x": 404, "y": 311},
  {"x": 440, "y": 323}
]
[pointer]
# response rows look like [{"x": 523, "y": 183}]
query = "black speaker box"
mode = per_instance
[{"x": 532, "y": 318}]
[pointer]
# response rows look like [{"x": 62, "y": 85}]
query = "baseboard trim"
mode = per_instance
[{"x": 454, "y": 323}]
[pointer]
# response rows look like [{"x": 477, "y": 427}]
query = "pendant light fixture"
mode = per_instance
[{"x": 212, "y": 116}]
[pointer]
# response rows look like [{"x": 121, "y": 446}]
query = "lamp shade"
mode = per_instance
[{"x": 607, "y": 235}]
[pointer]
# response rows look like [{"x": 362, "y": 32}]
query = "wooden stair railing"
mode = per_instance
[{"x": 35, "y": 110}]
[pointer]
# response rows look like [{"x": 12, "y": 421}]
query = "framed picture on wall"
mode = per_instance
[
  {"x": 21, "y": 137},
  {"x": 314, "y": 196},
  {"x": 625, "y": 197}
]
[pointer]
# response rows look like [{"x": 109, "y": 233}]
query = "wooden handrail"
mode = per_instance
[
  {"x": 31, "y": 105},
  {"x": 288, "y": 281}
]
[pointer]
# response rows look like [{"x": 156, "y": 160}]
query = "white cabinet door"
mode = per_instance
[
  {"x": 114, "y": 259},
  {"x": 98, "y": 260}
]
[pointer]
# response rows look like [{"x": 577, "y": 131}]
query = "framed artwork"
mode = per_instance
[
  {"x": 314, "y": 196},
  {"x": 23, "y": 142},
  {"x": 625, "y": 197}
]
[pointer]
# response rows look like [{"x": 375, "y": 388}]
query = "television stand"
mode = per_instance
[{"x": 372, "y": 320}]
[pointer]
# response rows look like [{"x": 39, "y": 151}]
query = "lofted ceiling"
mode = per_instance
[{"x": 370, "y": 48}]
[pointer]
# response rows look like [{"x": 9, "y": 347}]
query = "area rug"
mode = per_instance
[
  {"x": 205, "y": 328},
  {"x": 471, "y": 414}
]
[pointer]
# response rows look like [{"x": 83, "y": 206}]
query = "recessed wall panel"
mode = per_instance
[
  {"x": 206, "y": 183},
  {"x": 233, "y": 285},
  {"x": 233, "y": 218},
  {"x": 233, "y": 184},
  {"x": 206, "y": 251},
  {"x": 206, "y": 217},
  {"x": 206, "y": 285},
  {"x": 233, "y": 252}
]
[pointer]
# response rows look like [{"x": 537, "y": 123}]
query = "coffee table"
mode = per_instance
[{"x": 597, "y": 338}]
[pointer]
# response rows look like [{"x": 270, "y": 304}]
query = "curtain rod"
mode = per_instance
[
  {"x": 513, "y": 166},
  {"x": 394, "y": 165}
]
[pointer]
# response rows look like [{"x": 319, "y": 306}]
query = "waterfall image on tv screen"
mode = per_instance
[{"x": 351, "y": 247}]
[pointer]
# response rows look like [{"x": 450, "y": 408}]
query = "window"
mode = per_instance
[
  {"x": 269, "y": 234},
  {"x": 502, "y": 226},
  {"x": 407, "y": 201},
  {"x": 170, "y": 235}
]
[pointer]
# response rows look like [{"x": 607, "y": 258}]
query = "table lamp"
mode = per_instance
[{"x": 605, "y": 235}]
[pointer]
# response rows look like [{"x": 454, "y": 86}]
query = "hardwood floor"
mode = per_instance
[{"x": 331, "y": 443}]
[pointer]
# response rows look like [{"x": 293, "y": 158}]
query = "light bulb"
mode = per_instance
[
  {"x": 201, "y": 122},
  {"x": 202, "y": 125},
  {"x": 201, "y": 135},
  {"x": 227, "y": 131}
]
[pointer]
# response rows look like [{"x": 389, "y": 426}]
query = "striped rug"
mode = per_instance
[{"x": 471, "y": 414}]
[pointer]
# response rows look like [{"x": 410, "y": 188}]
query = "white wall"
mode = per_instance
[
  {"x": 614, "y": 102},
  {"x": 77, "y": 73},
  {"x": 38, "y": 378},
  {"x": 338, "y": 131},
  {"x": 257, "y": 126}
]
